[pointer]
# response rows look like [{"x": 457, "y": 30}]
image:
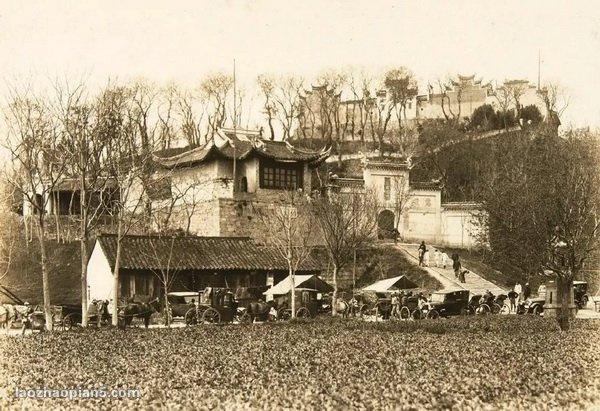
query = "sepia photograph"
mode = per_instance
[{"x": 318, "y": 205}]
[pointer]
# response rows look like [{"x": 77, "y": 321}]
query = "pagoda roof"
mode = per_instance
[{"x": 241, "y": 144}]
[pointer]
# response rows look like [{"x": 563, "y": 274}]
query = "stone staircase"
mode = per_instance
[{"x": 474, "y": 283}]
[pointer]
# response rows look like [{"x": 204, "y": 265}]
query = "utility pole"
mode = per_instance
[{"x": 539, "y": 67}]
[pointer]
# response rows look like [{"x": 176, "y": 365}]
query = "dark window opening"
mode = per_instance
[
  {"x": 280, "y": 175},
  {"x": 244, "y": 185}
]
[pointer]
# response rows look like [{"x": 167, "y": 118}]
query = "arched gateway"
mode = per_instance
[{"x": 385, "y": 224}]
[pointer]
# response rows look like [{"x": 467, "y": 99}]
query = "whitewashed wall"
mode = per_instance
[{"x": 99, "y": 276}]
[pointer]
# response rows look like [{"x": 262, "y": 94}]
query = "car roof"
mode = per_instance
[{"x": 450, "y": 291}]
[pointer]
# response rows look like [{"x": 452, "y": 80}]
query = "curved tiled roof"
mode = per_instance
[
  {"x": 425, "y": 185},
  {"x": 276, "y": 150},
  {"x": 196, "y": 253}
]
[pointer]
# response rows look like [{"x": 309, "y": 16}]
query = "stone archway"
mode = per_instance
[{"x": 385, "y": 224}]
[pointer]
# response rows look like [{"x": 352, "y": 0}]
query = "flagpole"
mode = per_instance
[{"x": 234, "y": 126}]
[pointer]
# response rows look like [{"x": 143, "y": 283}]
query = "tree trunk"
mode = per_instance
[
  {"x": 84, "y": 255},
  {"x": 292, "y": 290},
  {"x": 564, "y": 289},
  {"x": 167, "y": 316},
  {"x": 335, "y": 291},
  {"x": 45, "y": 279},
  {"x": 115, "y": 313}
]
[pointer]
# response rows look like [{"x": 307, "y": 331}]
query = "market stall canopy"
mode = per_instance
[
  {"x": 302, "y": 281},
  {"x": 391, "y": 284}
]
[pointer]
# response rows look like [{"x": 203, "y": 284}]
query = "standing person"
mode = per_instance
[
  {"x": 437, "y": 258},
  {"x": 456, "y": 265},
  {"x": 444, "y": 259},
  {"x": 27, "y": 318},
  {"x": 426, "y": 258},
  {"x": 395, "y": 306},
  {"x": 512, "y": 297},
  {"x": 519, "y": 291},
  {"x": 422, "y": 249},
  {"x": 526, "y": 291}
]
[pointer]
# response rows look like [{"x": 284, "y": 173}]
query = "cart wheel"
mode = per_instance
[
  {"x": 538, "y": 310},
  {"x": 417, "y": 314},
  {"x": 483, "y": 309},
  {"x": 245, "y": 318},
  {"x": 496, "y": 308},
  {"x": 190, "y": 317},
  {"x": 404, "y": 313},
  {"x": 505, "y": 309},
  {"x": 211, "y": 316},
  {"x": 433, "y": 315},
  {"x": 284, "y": 314},
  {"x": 302, "y": 312},
  {"x": 69, "y": 322},
  {"x": 465, "y": 311}
]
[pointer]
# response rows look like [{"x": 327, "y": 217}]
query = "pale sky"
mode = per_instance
[{"x": 183, "y": 40}]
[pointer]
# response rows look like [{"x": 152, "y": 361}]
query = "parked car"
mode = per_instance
[
  {"x": 580, "y": 293},
  {"x": 531, "y": 306},
  {"x": 450, "y": 302}
]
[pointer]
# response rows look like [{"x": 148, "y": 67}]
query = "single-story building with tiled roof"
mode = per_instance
[{"x": 194, "y": 262}]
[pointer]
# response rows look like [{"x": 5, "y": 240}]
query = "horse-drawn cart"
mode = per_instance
[{"x": 213, "y": 306}]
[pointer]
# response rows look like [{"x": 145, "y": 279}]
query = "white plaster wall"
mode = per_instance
[
  {"x": 375, "y": 182},
  {"x": 249, "y": 169},
  {"x": 422, "y": 217},
  {"x": 99, "y": 276},
  {"x": 459, "y": 228}
]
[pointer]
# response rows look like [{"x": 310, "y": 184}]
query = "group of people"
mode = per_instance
[
  {"x": 517, "y": 294},
  {"x": 439, "y": 259},
  {"x": 400, "y": 299}
]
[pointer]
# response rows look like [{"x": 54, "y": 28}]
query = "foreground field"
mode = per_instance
[{"x": 473, "y": 363}]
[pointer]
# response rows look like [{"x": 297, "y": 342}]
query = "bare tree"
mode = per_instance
[
  {"x": 33, "y": 141},
  {"x": 191, "y": 123},
  {"x": 288, "y": 101},
  {"x": 167, "y": 97},
  {"x": 380, "y": 121},
  {"x": 290, "y": 230},
  {"x": 361, "y": 86},
  {"x": 215, "y": 90},
  {"x": 347, "y": 222},
  {"x": 401, "y": 85},
  {"x": 166, "y": 262},
  {"x": 9, "y": 236},
  {"x": 556, "y": 100},
  {"x": 401, "y": 199},
  {"x": 267, "y": 87},
  {"x": 84, "y": 145}
]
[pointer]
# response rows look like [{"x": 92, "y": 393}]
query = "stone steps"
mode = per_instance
[{"x": 473, "y": 282}]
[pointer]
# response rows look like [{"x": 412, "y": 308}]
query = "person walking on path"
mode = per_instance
[
  {"x": 456, "y": 265},
  {"x": 444, "y": 259},
  {"x": 426, "y": 258},
  {"x": 422, "y": 249},
  {"x": 437, "y": 258}
]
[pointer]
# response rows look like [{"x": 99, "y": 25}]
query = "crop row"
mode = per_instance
[{"x": 462, "y": 363}]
